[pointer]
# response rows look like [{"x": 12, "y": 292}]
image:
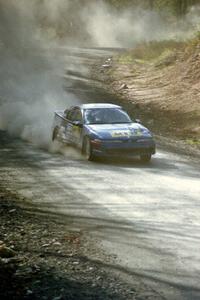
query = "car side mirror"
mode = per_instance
[
  {"x": 138, "y": 121},
  {"x": 78, "y": 123}
]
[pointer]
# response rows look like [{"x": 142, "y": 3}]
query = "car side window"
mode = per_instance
[
  {"x": 77, "y": 116},
  {"x": 74, "y": 114},
  {"x": 70, "y": 114}
]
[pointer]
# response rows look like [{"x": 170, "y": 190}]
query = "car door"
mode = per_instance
[
  {"x": 77, "y": 121},
  {"x": 62, "y": 126},
  {"x": 69, "y": 126}
]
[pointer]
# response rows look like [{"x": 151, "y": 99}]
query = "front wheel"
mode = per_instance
[
  {"x": 145, "y": 158},
  {"x": 87, "y": 149}
]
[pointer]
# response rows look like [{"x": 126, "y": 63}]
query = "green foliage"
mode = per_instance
[
  {"x": 193, "y": 142},
  {"x": 119, "y": 4},
  {"x": 176, "y": 7},
  {"x": 198, "y": 36},
  {"x": 192, "y": 44},
  {"x": 152, "y": 51}
]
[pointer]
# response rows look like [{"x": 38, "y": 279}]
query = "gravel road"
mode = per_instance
[{"x": 146, "y": 216}]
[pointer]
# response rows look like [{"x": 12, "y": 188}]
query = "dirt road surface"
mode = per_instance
[{"x": 146, "y": 216}]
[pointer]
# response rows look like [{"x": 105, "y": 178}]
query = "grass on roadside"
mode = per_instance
[
  {"x": 150, "y": 52},
  {"x": 159, "y": 52},
  {"x": 193, "y": 142}
]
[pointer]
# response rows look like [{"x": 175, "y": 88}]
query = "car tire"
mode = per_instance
[
  {"x": 55, "y": 134},
  {"x": 145, "y": 158},
  {"x": 87, "y": 149}
]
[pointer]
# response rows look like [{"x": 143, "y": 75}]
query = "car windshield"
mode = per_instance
[{"x": 106, "y": 116}]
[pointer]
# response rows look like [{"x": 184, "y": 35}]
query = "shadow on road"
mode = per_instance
[{"x": 179, "y": 285}]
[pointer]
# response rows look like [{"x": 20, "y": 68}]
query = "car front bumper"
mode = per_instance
[{"x": 125, "y": 148}]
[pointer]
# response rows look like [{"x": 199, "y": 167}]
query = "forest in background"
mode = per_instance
[{"x": 177, "y": 7}]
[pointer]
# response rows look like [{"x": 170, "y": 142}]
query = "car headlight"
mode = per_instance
[{"x": 146, "y": 131}]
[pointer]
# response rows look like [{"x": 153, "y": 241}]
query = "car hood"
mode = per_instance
[{"x": 119, "y": 131}]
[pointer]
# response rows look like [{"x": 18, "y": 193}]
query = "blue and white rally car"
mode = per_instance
[{"x": 103, "y": 130}]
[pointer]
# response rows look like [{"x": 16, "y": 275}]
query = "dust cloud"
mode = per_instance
[
  {"x": 108, "y": 28},
  {"x": 31, "y": 73}
]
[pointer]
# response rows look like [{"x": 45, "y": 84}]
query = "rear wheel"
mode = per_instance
[
  {"x": 145, "y": 158},
  {"x": 87, "y": 149}
]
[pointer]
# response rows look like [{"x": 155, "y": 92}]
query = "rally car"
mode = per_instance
[{"x": 103, "y": 130}]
